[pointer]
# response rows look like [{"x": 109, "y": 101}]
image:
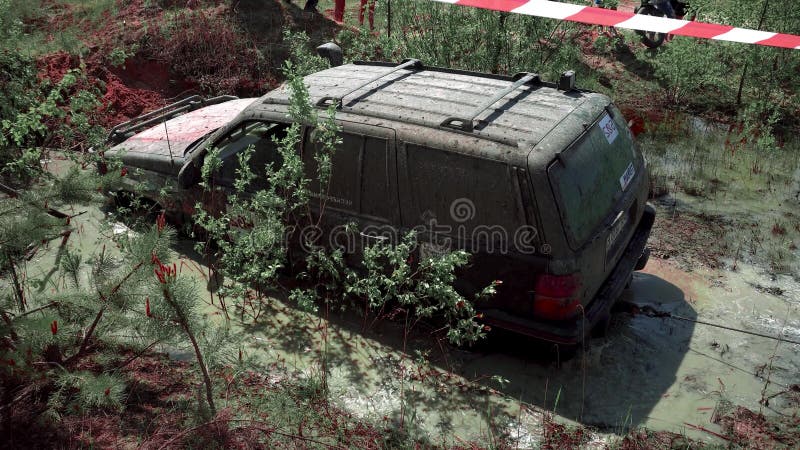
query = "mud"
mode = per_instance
[
  {"x": 664, "y": 374},
  {"x": 654, "y": 372}
]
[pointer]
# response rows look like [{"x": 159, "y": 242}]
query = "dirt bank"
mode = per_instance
[{"x": 147, "y": 54}]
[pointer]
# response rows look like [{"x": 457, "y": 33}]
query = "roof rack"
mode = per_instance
[
  {"x": 413, "y": 64},
  {"x": 465, "y": 123},
  {"x": 124, "y": 130}
]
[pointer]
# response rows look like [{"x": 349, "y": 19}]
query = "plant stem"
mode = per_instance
[
  {"x": 17, "y": 286},
  {"x": 93, "y": 326},
  {"x": 185, "y": 325},
  {"x": 11, "y": 332},
  {"x": 746, "y": 64}
]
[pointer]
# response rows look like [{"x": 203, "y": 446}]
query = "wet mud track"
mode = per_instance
[
  {"x": 660, "y": 373},
  {"x": 655, "y": 372}
]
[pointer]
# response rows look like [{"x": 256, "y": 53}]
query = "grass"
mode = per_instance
[
  {"x": 709, "y": 170},
  {"x": 92, "y": 10},
  {"x": 35, "y": 40}
]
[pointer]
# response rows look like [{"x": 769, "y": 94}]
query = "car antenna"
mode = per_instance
[{"x": 169, "y": 147}]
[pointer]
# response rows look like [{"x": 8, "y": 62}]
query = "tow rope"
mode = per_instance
[
  {"x": 649, "y": 311},
  {"x": 611, "y": 18}
]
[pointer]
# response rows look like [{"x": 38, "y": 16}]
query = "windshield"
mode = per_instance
[{"x": 592, "y": 174}]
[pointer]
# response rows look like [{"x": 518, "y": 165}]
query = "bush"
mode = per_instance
[{"x": 256, "y": 257}]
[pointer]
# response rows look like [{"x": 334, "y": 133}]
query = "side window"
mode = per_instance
[
  {"x": 359, "y": 181},
  {"x": 375, "y": 189},
  {"x": 342, "y": 189},
  {"x": 464, "y": 194},
  {"x": 260, "y": 136}
]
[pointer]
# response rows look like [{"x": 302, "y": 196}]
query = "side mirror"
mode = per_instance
[
  {"x": 189, "y": 174},
  {"x": 331, "y": 52}
]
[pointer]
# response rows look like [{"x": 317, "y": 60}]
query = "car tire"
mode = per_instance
[{"x": 649, "y": 38}]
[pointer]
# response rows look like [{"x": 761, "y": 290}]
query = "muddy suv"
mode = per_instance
[{"x": 541, "y": 182}]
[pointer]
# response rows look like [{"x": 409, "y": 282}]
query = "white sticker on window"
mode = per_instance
[{"x": 609, "y": 128}]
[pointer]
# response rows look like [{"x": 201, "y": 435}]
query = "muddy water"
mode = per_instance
[{"x": 658, "y": 372}]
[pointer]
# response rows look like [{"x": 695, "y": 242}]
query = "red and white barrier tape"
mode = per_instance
[{"x": 612, "y": 18}]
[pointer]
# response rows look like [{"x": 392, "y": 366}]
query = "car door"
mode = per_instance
[
  {"x": 358, "y": 206},
  {"x": 257, "y": 135}
]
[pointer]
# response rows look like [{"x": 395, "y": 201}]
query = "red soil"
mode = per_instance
[
  {"x": 205, "y": 53},
  {"x": 120, "y": 101}
]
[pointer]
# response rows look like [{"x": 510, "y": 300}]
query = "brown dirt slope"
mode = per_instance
[{"x": 148, "y": 54}]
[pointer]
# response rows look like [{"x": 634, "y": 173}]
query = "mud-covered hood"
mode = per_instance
[{"x": 163, "y": 146}]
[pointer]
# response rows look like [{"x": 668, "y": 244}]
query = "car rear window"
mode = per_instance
[{"x": 592, "y": 173}]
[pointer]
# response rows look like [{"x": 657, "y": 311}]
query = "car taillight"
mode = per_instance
[{"x": 556, "y": 296}]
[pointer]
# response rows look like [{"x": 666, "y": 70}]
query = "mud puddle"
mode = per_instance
[{"x": 660, "y": 373}]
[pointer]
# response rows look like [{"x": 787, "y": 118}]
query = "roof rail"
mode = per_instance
[
  {"x": 412, "y": 64},
  {"x": 122, "y": 131},
  {"x": 465, "y": 123}
]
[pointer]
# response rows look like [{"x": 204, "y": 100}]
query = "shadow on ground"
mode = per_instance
[{"x": 613, "y": 385}]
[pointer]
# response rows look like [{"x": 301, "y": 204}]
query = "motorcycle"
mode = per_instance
[{"x": 654, "y": 39}]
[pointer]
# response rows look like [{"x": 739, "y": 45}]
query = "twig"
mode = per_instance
[
  {"x": 137, "y": 355},
  {"x": 19, "y": 293},
  {"x": 701, "y": 428},
  {"x": 93, "y": 326},
  {"x": 11, "y": 332},
  {"x": 253, "y": 424},
  {"x": 49, "y": 305},
  {"x": 15, "y": 193}
]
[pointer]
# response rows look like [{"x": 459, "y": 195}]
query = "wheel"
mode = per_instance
[{"x": 651, "y": 39}]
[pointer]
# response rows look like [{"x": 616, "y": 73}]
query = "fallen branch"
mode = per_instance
[
  {"x": 35, "y": 310},
  {"x": 15, "y": 193},
  {"x": 137, "y": 355},
  {"x": 713, "y": 433},
  {"x": 255, "y": 425}
]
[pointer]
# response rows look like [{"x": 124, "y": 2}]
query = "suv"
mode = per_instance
[{"x": 541, "y": 182}]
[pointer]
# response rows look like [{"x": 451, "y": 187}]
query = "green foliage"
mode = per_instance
[
  {"x": 707, "y": 74},
  {"x": 18, "y": 83},
  {"x": 471, "y": 39},
  {"x": 425, "y": 289},
  {"x": 20, "y": 226},
  {"x": 10, "y": 21},
  {"x": 50, "y": 324},
  {"x": 81, "y": 391},
  {"x": 41, "y": 113},
  {"x": 304, "y": 60},
  {"x": 255, "y": 255},
  {"x": 690, "y": 72}
]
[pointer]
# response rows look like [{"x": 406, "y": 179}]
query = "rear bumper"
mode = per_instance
[{"x": 573, "y": 332}]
